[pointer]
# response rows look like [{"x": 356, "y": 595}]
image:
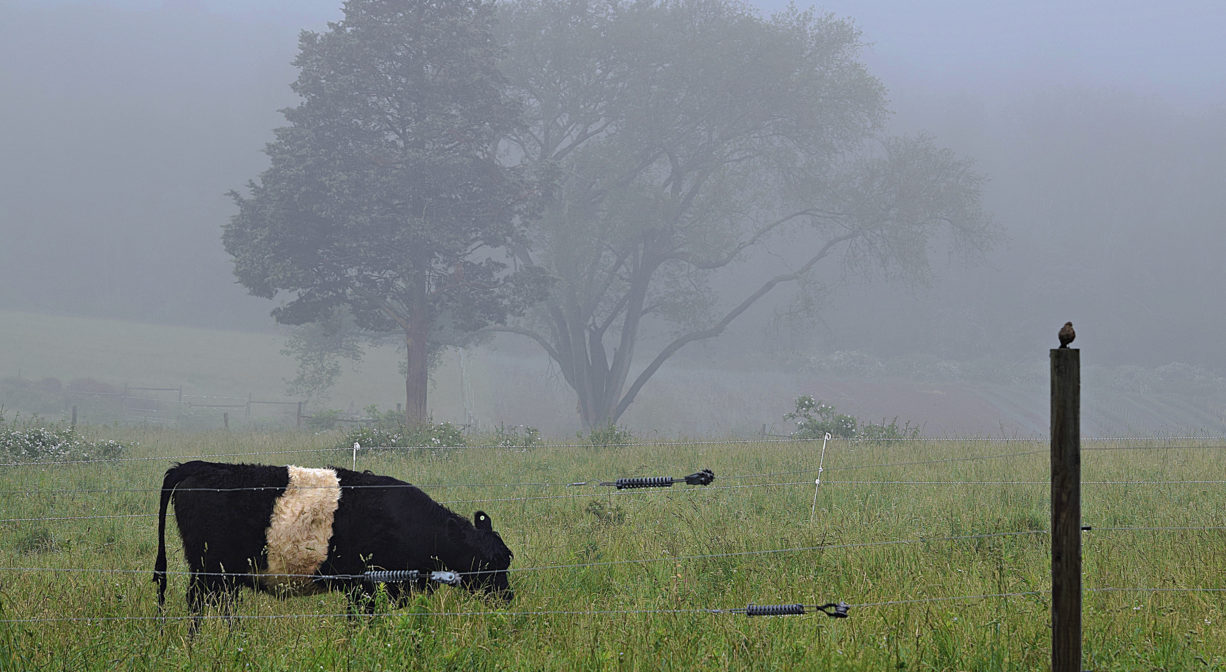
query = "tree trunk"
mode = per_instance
[
  {"x": 416, "y": 379},
  {"x": 593, "y": 409},
  {"x": 417, "y": 375},
  {"x": 598, "y": 399}
]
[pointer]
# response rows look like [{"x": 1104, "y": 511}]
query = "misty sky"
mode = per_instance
[
  {"x": 1154, "y": 48},
  {"x": 1102, "y": 126}
]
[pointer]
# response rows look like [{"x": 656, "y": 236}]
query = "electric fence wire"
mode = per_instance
[
  {"x": 393, "y": 449},
  {"x": 668, "y": 558},
  {"x": 587, "y": 495},
  {"x": 425, "y": 485},
  {"x": 582, "y": 495},
  {"x": 636, "y": 561},
  {"x": 582, "y": 565},
  {"x": 808, "y": 609},
  {"x": 547, "y": 484},
  {"x": 623, "y": 493},
  {"x": 1088, "y": 443}
]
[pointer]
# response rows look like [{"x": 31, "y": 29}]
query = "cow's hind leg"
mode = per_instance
[
  {"x": 196, "y": 593},
  {"x": 210, "y": 591}
]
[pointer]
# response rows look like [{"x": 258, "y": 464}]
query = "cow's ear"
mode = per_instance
[{"x": 482, "y": 521}]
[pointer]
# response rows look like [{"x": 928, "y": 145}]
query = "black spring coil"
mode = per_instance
[
  {"x": 649, "y": 482},
  {"x": 391, "y": 575},
  {"x": 774, "y": 609}
]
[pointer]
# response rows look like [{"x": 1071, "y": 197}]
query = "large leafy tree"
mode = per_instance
[
  {"x": 385, "y": 199},
  {"x": 690, "y": 134}
]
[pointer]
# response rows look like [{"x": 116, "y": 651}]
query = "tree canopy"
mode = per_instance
[
  {"x": 689, "y": 133},
  {"x": 385, "y": 197}
]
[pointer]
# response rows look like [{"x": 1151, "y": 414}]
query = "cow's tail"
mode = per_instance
[{"x": 174, "y": 476}]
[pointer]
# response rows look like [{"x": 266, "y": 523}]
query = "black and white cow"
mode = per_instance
[{"x": 281, "y": 529}]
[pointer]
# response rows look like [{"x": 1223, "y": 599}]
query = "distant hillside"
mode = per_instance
[
  {"x": 202, "y": 361},
  {"x": 487, "y": 387}
]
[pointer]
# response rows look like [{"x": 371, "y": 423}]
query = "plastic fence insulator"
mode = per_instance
[
  {"x": 703, "y": 477},
  {"x": 774, "y": 609},
  {"x": 835, "y": 609},
  {"x": 449, "y": 578}
]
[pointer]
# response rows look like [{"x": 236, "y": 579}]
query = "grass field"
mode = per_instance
[
  {"x": 508, "y": 384},
  {"x": 912, "y": 535},
  {"x": 203, "y": 361}
]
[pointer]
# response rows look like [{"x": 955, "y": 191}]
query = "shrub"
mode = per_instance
[
  {"x": 441, "y": 435},
  {"x": 608, "y": 435},
  {"x": 814, "y": 419},
  {"x": 389, "y": 420},
  {"x": 371, "y": 437},
  {"x": 516, "y": 436},
  {"x": 890, "y": 432},
  {"x": 34, "y": 442},
  {"x": 388, "y": 429}
]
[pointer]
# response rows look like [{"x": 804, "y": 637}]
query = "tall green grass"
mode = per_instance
[{"x": 618, "y": 580}]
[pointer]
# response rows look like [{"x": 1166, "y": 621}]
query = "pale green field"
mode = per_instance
[
  {"x": 203, "y": 361},
  {"x": 622, "y": 581},
  {"x": 231, "y": 366},
  {"x": 508, "y": 383}
]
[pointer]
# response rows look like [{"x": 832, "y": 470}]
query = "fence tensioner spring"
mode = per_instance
[
  {"x": 703, "y": 477},
  {"x": 832, "y": 609},
  {"x": 397, "y": 576}
]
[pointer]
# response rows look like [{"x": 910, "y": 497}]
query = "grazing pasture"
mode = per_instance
[{"x": 940, "y": 548}]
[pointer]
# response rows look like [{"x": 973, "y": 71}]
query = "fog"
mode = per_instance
[{"x": 1101, "y": 127}]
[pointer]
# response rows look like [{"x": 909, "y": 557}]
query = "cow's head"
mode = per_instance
[{"x": 486, "y": 556}]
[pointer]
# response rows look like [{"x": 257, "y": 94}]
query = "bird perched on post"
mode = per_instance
[{"x": 1067, "y": 334}]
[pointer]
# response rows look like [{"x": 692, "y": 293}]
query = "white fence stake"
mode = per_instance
[
  {"x": 356, "y": 446},
  {"x": 818, "y": 483}
]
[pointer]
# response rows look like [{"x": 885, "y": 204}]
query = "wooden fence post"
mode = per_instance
[{"x": 1065, "y": 510}]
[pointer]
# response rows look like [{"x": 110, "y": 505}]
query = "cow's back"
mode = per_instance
[
  {"x": 384, "y": 522},
  {"x": 223, "y": 511}
]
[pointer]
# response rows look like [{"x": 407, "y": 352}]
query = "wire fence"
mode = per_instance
[
  {"x": 570, "y": 496},
  {"x": 1091, "y": 444},
  {"x": 571, "y": 483},
  {"x": 926, "y": 539},
  {"x": 808, "y": 609},
  {"x": 1141, "y": 444}
]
